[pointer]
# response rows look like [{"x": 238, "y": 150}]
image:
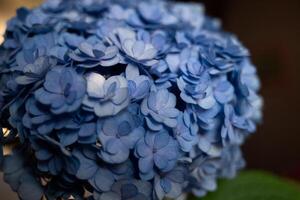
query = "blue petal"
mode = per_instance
[{"x": 161, "y": 140}]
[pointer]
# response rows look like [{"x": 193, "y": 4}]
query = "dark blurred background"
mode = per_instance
[{"x": 271, "y": 30}]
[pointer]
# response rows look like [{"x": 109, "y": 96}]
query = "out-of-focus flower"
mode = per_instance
[
  {"x": 20, "y": 177},
  {"x": 150, "y": 15},
  {"x": 235, "y": 127},
  {"x": 204, "y": 173},
  {"x": 231, "y": 161},
  {"x": 54, "y": 5},
  {"x": 218, "y": 63},
  {"x": 127, "y": 189},
  {"x": 93, "y": 7},
  {"x": 171, "y": 184},
  {"x": 8, "y": 85},
  {"x": 224, "y": 92},
  {"x": 192, "y": 14},
  {"x": 248, "y": 84}
]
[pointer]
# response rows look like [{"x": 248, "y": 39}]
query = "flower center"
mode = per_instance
[
  {"x": 124, "y": 129},
  {"x": 67, "y": 90}
]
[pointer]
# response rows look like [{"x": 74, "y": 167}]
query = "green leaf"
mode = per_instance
[{"x": 255, "y": 185}]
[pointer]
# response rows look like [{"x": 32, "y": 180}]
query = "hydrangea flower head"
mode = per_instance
[
  {"x": 123, "y": 100},
  {"x": 63, "y": 90}
]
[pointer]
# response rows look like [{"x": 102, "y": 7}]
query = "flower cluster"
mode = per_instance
[{"x": 122, "y": 100}]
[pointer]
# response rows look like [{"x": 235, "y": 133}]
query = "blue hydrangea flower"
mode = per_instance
[
  {"x": 15, "y": 119},
  {"x": 171, "y": 184},
  {"x": 106, "y": 97},
  {"x": 8, "y": 85},
  {"x": 118, "y": 12},
  {"x": 182, "y": 40},
  {"x": 204, "y": 173},
  {"x": 123, "y": 170},
  {"x": 160, "y": 68},
  {"x": 248, "y": 85},
  {"x": 156, "y": 149},
  {"x": 51, "y": 155},
  {"x": 20, "y": 177},
  {"x": 127, "y": 189},
  {"x": 248, "y": 76},
  {"x": 159, "y": 109},
  {"x": 66, "y": 43},
  {"x": 186, "y": 132},
  {"x": 231, "y": 161},
  {"x": 35, "y": 47},
  {"x": 54, "y": 5},
  {"x": 93, "y": 7},
  {"x": 81, "y": 128},
  {"x": 224, "y": 91},
  {"x": 32, "y": 73},
  {"x": 134, "y": 49},
  {"x": 39, "y": 120},
  {"x": 165, "y": 81},
  {"x": 210, "y": 143},
  {"x": 118, "y": 135},
  {"x": 159, "y": 39},
  {"x": 166, "y": 77},
  {"x": 13, "y": 168},
  {"x": 138, "y": 85},
  {"x": 93, "y": 53},
  {"x": 220, "y": 64},
  {"x": 152, "y": 15},
  {"x": 194, "y": 84},
  {"x": 209, "y": 137},
  {"x": 235, "y": 127},
  {"x": 234, "y": 49},
  {"x": 208, "y": 119},
  {"x": 98, "y": 176},
  {"x": 63, "y": 90},
  {"x": 192, "y": 14},
  {"x": 62, "y": 188},
  {"x": 36, "y": 18}
]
